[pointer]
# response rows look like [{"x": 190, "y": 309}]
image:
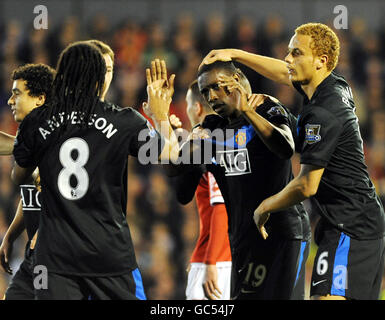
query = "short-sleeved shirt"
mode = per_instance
[
  {"x": 329, "y": 137},
  {"x": 247, "y": 172},
  {"x": 83, "y": 228}
]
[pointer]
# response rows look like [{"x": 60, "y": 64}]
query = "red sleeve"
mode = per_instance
[{"x": 218, "y": 234}]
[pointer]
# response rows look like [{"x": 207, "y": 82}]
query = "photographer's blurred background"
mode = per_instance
[{"x": 182, "y": 33}]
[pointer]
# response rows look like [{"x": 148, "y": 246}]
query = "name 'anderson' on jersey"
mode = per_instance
[{"x": 83, "y": 228}]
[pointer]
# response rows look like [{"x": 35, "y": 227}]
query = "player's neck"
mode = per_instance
[{"x": 311, "y": 87}]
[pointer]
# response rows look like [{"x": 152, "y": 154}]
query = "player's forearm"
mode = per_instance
[
  {"x": 295, "y": 192},
  {"x": 276, "y": 139},
  {"x": 170, "y": 150},
  {"x": 6, "y": 144},
  {"x": 17, "y": 226},
  {"x": 271, "y": 68}
]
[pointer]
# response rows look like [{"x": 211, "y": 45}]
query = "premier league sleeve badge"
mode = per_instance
[{"x": 312, "y": 133}]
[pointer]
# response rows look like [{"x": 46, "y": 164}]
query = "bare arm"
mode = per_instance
[
  {"x": 271, "y": 68},
  {"x": 6, "y": 144},
  {"x": 300, "y": 188},
  {"x": 13, "y": 232},
  {"x": 160, "y": 91},
  {"x": 277, "y": 138}
]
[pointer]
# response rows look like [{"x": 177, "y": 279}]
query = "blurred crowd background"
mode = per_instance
[{"x": 182, "y": 33}]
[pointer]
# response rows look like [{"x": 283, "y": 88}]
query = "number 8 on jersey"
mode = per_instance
[{"x": 78, "y": 148}]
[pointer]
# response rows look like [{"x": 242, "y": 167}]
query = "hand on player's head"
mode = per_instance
[{"x": 217, "y": 55}]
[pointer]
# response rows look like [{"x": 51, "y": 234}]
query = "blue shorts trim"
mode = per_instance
[
  {"x": 340, "y": 269},
  {"x": 139, "y": 291}
]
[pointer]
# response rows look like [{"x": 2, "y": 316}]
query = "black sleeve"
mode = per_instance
[
  {"x": 23, "y": 150},
  {"x": 318, "y": 135},
  {"x": 274, "y": 112},
  {"x": 185, "y": 185},
  {"x": 146, "y": 143}
]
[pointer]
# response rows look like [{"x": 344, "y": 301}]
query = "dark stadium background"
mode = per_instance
[{"x": 182, "y": 32}]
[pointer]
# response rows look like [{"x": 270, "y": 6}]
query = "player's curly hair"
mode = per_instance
[
  {"x": 38, "y": 77},
  {"x": 325, "y": 41},
  {"x": 79, "y": 81}
]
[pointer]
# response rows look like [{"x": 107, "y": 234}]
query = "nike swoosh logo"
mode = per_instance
[{"x": 318, "y": 282}]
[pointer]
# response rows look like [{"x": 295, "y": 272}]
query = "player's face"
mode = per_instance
[
  {"x": 300, "y": 59},
  {"x": 109, "y": 74},
  {"x": 21, "y": 102},
  {"x": 219, "y": 98},
  {"x": 191, "y": 110}
]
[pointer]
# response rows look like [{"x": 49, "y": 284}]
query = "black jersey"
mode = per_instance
[
  {"x": 30, "y": 201},
  {"x": 83, "y": 228},
  {"x": 247, "y": 172},
  {"x": 329, "y": 137}
]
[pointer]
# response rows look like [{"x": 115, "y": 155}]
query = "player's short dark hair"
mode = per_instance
[
  {"x": 79, "y": 80},
  {"x": 103, "y": 47},
  {"x": 227, "y": 66},
  {"x": 197, "y": 96},
  {"x": 38, "y": 78}
]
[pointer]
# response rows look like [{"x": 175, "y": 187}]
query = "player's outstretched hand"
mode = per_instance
[
  {"x": 260, "y": 219},
  {"x": 5, "y": 254},
  {"x": 157, "y": 77},
  {"x": 217, "y": 55},
  {"x": 210, "y": 285},
  {"x": 158, "y": 104}
]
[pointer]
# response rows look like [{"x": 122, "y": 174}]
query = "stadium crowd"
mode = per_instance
[{"x": 163, "y": 231}]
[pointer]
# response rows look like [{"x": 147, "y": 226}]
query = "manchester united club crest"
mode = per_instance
[
  {"x": 312, "y": 133},
  {"x": 240, "y": 138}
]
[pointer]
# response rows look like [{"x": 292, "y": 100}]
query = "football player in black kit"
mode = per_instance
[
  {"x": 80, "y": 144},
  {"x": 31, "y": 89},
  {"x": 350, "y": 234},
  {"x": 250, "y": 164}
]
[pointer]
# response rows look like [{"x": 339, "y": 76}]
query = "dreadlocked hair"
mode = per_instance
[{"x": 78, "y": 83}]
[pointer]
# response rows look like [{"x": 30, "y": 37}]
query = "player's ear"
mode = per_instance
[
  {"x": 321, "y": 61},
  {"x": 198, "y": 109},
  {"x": 40, "y": 100}
]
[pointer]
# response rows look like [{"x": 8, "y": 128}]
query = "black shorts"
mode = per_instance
[
  {"x": 128, "y": 286},
  {"x": 299, "y": 286},
  {"x": 266, "y": 270},
  {"x": 347, "y": 267},
  {"x": 21, "y": 285}
]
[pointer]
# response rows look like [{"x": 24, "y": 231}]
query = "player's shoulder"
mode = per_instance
[
  {"x": 317, "y": 112},
  {"x": 124, "y": 115},
  {"x": 33, "y": 118},
  {"x": 334, "y": 92}
]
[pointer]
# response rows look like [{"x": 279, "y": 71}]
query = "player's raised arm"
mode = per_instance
[
  {"x": 160, "y": 91},
  {"x": 277, "y": 137},
  {"x": 271, "y": 68},
  {"x": 6, "y": 144}
]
